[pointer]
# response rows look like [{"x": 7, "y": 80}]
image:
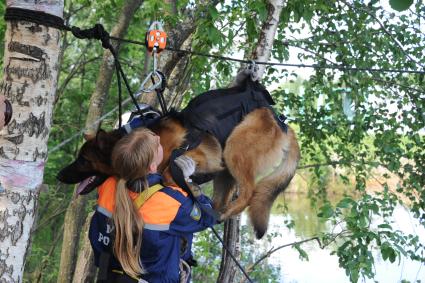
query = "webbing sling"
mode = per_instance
[{"x": 146, "y": 194}]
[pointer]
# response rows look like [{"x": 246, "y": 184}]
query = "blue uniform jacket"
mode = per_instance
[{"x": 170, "y": 216}]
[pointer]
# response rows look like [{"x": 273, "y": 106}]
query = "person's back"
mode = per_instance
[{"x": 168, "y": 216}]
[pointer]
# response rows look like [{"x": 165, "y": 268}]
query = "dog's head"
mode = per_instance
[{"x": 93, "y": 164}]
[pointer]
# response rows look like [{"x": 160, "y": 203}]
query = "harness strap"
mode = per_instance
[
  {"x": 104, "y": 261},
  {"x": 146, "y": 194},
  {"x": 178, "y": 177},
  {"x": 121, "y": 272}
]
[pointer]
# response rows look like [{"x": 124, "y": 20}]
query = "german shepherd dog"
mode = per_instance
[{"x": 258, "y": 157}]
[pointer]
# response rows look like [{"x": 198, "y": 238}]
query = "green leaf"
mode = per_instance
[
  {"x": 214, "y": 13},
  {"x": 400, "y": 5},
  {"x": 385, "y": 226},
  {"x": 326, "y": 211},
  {"x": 345, "y": 203},
  {"x": 303, "y": 254},
  {"x": 250, "y": 27}
]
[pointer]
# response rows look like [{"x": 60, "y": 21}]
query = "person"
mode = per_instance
[{"x": 142, "y": 231}]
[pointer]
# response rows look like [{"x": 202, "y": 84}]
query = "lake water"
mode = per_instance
[{"x": 323, "y": 267}]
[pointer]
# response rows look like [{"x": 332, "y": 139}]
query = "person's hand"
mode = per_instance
[{"x": 187, "y": 165}]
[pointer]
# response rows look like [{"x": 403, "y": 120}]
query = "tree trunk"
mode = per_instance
[
  {"x": 75, "y": 214},
  {"x": 29, "y": 82},
  {"x": 85, "y": 271},
  {"x": 178, "y": 38},
  {"x": 261, "y": 53}
]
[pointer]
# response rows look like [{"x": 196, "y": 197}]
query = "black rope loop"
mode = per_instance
[
  {"x": 96, "y": 32},
  {"x": 163, "y": 85},
  {"x": 38, "y": 17}
]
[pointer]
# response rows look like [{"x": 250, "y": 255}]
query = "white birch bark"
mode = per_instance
[
  {"x": 262, "y": 52},
  {"x": 29, "y": 82},
  {"x": 268, "y": 31}
]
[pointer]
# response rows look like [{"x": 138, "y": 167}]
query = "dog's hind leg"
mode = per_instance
[
  {"x": 241, "y": 168},
  {"x": 224, "y": 184},
  {"x": 255, "y": 146},
  {"x": 241, "y": 154},
  {"x": 271, "y": 185}
]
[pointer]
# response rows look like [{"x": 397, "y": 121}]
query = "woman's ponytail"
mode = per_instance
[
  {"x": 128, "y": 231},
  {"x": 131, "y": 159}
]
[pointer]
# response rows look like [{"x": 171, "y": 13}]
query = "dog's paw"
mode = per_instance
[{"x": 219, "y": 220}]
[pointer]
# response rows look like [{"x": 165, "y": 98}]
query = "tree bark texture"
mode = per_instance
[
  {"x": 29, "y": 82},
  {"x": 261, "y": 53},
  {"x": 265, "y": 42},
  {"x": 75, "y": 214},
  {"x": 85, "y": 270},
  {"x": 232, "y": 240}
]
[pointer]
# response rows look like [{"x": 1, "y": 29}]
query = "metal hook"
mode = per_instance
[
  {"x": 154, "y": 73},
  {"x": 157, "y": 24},
  {"x": 252, "y": 65},
  {"x": 252, "y": 68}
]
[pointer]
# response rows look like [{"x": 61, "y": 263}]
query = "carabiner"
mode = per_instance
[
  {"x": 253, "y": 68},
  {"x": 152, "y": 74}
]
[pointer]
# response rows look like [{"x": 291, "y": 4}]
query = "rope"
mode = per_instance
[
  {"x": 98, "y": 32},
  {"x": 71, "y": 138},
  {"x": 314, "y": 66},
  {"x": 231, "y": 255},
  {"x": 160, "y": 92},
  {"x": 42, "y": 18}
]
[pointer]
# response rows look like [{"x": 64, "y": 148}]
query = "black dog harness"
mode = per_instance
[{"x": 219, "y": 111}]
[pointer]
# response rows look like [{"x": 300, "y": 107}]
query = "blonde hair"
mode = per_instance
[{"x": 131, "y": 160}]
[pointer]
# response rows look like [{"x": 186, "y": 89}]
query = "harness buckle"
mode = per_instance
[{"x": 282, "y": 118}]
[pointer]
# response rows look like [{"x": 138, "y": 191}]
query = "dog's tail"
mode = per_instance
[{"x": 268, "y": 188}]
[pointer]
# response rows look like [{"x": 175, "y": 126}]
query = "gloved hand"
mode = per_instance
[{"x": 187, "y": 165}]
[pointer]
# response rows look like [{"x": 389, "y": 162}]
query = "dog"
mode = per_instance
[{"x": 256, "y": 153}]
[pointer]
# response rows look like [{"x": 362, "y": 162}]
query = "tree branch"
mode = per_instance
[
  {"x": 38, "y": 273},
  {"x": 273, "y": 250},
  {"x": 74, "y": 71},
  {"x": 401, "y": 47}
]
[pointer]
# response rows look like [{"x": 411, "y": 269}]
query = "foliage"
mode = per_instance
[
  {"x": 401, "y": 5},
  {"x": 358, "y": 121},
  {"x": 207, "y": 251}
]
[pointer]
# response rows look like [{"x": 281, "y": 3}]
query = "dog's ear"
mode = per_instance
[
  {"x": 88, "y": 137},
  {"x": 102, "y": 140}
]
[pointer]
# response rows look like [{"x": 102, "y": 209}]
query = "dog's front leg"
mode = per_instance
[{"x": 224, "y": 185}]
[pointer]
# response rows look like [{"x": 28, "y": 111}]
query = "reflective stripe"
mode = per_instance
[
  {"x": 157, "y": 227},
  {"x": 104, "y": 211},
  {"x": 146, "y": 194}
]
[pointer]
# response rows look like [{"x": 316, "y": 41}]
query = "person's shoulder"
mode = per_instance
[
  {"x": 161, "y": 207},
  {"x": 178, "y": 189}
]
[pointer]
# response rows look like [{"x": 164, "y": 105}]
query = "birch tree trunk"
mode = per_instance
[
  {"x": 75, "y": 214},
  {"x": 29, "y": 82},
  {"x": 261, "y": 53}
]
